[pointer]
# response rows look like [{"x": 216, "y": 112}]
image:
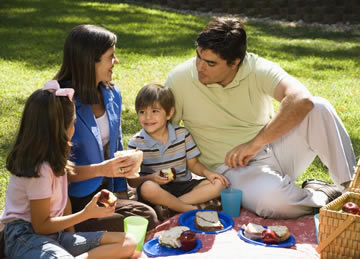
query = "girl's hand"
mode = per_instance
[
  {"x": 92, "y": 210},
  {"x": 159, "y": 179},
  {"x": 118, "y": 167},
  {"x": 211, "y": 176}
]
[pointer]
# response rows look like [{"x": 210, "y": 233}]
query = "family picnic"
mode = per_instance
[{"x": 212, "y": 121}]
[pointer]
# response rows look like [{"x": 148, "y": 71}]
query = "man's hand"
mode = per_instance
[{"x": 241, "y": 154}]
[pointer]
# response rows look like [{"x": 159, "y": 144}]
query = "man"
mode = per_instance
[{"x": 224, "y": 97}]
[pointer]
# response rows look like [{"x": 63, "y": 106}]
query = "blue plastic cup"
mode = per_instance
[
  {"x": 231, "y": 201},
  {"x": 316, "y": 219}
]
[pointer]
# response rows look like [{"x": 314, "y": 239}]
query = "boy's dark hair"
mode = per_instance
[
  {"x": 226, "y": 37},
  {"x": 83, "y": 47},
  {"x": 42, "y": 135},
  {"x": 152, "y": 93}
]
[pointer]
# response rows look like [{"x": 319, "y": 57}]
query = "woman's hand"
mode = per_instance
[
  {"x": 93, "y": 210},
  {"x": 118, "y": 167}
]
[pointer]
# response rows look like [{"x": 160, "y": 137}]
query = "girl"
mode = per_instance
[
  {"x": 37, "y": 208},
  {"x": 88, "y": 63}
]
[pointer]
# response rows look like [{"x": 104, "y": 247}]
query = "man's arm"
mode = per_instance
[{"x": 295, "y": 104}]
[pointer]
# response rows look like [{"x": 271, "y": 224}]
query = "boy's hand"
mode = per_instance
[
  {"x": 159, "y": 179},
  {"x": 92, "y": 210},
  {"x": 211, "y": 176}
]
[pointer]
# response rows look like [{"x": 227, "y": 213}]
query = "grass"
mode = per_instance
[{"x": 150, "y": 43}]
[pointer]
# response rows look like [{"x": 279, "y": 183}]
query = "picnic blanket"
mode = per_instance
[{"x": 229, "y": 245}]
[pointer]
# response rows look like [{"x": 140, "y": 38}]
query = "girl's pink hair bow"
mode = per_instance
[{"x": 53, "y": 86}]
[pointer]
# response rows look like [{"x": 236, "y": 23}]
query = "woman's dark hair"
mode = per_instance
[
  {"x": 42, "y": 135},
  {"x": 83, "y": 47},
  {"x": 152, "y": 93},
  {"x": 226, "y": 37}
]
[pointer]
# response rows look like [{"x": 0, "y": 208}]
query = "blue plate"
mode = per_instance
[
  {"x": 287, "y": 243},
  {"x": 153, "y": 248},
  {"x": 188, "y": 218}
]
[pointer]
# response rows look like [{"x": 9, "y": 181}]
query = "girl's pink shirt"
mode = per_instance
[{"x": 21, "y": 190}]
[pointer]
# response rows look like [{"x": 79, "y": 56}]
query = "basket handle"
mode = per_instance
[
  {"x": 334, "y": 234},
  {"x": 355, "y": 182}
]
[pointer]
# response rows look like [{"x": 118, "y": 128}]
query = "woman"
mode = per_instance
[{"x": 89, "y": 58}]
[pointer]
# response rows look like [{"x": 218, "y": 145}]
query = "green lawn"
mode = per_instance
[{"x": 150, "y": 43}]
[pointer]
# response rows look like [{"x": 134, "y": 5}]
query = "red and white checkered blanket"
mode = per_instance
[{"x": 229, "y": 245}]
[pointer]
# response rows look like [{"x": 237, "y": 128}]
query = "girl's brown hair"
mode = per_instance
[{"x": 42, "y": 135}]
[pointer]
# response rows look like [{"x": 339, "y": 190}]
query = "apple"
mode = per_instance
[
  {"x": 169, "y": 173},
  {"x": 351, "y": 207},
  {"x": 107, "y": 198},
  {"x": 188, "y": 240},
  {"x": 270, "y": 237}
]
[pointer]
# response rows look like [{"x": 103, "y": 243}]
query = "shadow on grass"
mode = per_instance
[{"x": 34, "y": 31}]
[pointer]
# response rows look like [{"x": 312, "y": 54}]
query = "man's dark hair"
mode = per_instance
[{"x": 226, "y": 37}]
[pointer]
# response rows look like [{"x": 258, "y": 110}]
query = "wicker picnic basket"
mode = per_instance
[{"x": 339, "y": 232}]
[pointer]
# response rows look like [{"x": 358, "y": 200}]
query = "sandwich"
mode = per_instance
[
  {"x": 253, "y": 231},
  {"x": 281, "y": 231},
  {"x": 208, "y": 221},
  {"x": 171, "y": 237},
  {"x": 135, "y": 155}
]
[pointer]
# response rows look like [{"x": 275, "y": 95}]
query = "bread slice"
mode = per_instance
[
  {"x": 253, "y": 231},
  {"x": 208, "y": 221},
  {"x": 170, "y": 237},
  {"x": 281, "y": 231}
]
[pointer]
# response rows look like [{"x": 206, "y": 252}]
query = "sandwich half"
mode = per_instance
[
  {"x": 253, "y": 231},
  {"x": 208, "y": 221},
  {"x": 281, "y": 231},
  {"x": 171, "y": 237}
]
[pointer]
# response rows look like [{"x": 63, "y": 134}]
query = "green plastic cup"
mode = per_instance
[{"x": 136, "y": 226}]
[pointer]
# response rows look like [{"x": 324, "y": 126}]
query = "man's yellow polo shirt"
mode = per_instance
[{"x": 220, "y": 118}]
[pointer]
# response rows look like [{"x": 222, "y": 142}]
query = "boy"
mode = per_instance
[{"x": 168, "y": 146}]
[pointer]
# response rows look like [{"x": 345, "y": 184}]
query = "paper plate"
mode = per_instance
[
  {"x": 287, "y": 243},
  {"x": 188, "y": 218},
  {"x": 153, "y": 248}
]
